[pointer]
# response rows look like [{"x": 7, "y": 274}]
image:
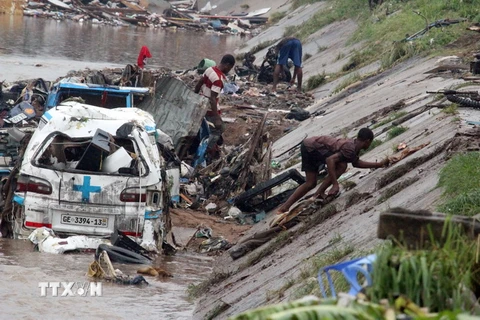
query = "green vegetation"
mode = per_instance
[
  {"x": 280, "y": 292},
  {"x": 336, "y": 11},
  {"x": 460, "y": 179},
  {"x": 278, "y": 242},
  {"x": 451, "y": 109},
  {"x": 315, "y": 81},
  {"x": 263, "y": 45},
  {"x": 321, "y": 48},
  {"x": 298, "y": 3},
  {"x": 276, "y": 16},
  {"x": 390, "y": 192},
  {"x": 347, "y": 81},
  {"x": 375, "y": 143},
  {"x": 437, "y": 276},
  {"x": 219, "y": 309},
  {"x": 336, "y": 238},
  {"x": 339, "y": 56},
  {"x": 384, "y": 33},
  {"x": 357, "y": 59},
  {"x": 390, "y": 118},
  {"x": 396, "y": 131},
  {"x": 324, "y": 259},
  {"x": 196, "y": 290}
]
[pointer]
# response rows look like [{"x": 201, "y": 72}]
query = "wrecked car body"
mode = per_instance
[
  {"x": 106, "y": 96},
  {"x": 92, "y": 171}
]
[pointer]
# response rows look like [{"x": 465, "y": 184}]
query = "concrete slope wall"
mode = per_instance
[{"x": 410, "y": 183}]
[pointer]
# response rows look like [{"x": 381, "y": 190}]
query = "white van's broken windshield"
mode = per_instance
[{"x": 100, "y": 153}]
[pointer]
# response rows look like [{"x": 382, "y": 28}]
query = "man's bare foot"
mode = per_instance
[{"x": 320, "y": 196}]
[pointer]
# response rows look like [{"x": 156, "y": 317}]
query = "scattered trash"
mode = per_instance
[
  {"x": 154, "y": 272},
  {"x": 102, "y": 268},
  {"x": 119, "y": 254},
  {"x": 405, "y": 153},
  {"x": 401, "y": 146},
  {"x": 259, "y": 216},
  {"x": 204, "y": 233},
  {"x": 46, "y": 241},
  {"x": 211, "y": 207},
  {"x": 233, "y": 212},
  {"x": 275, "y": 164},
  {"x": 437, "y": 24},
  {"x": 298, "y": 114},
  {"x": 214, "y": 244},
  {"x": 251, "y": 200}
]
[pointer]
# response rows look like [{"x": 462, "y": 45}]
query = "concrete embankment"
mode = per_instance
[{"x": 352, "y": 219}]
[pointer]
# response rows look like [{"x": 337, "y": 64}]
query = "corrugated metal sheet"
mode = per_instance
[{"x": 177, "y": 110}]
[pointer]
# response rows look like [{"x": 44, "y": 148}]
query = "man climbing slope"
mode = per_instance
[{"x": 336, "y": 153}]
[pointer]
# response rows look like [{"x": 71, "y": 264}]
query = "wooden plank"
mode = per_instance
[
  {"x": 130, "y": 5},
  {"x": 412, "y": 227},
  {"x": 113, "y": 10},
  {"x": 184, "y": 197},
  {"x": 251, "y": 150}
]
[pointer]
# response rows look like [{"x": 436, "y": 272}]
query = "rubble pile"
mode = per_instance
[
  {"x": 181, "y": 14},
  {"x": 253, "y": 115}
]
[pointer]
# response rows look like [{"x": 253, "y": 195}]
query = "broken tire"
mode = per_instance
[
  {"x": 463, "y": 101},
  {"x": 243, "y": 200},
  {"x": 118, "y": 254}
]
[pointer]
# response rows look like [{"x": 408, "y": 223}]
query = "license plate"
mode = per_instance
[
  {"x": 19, "y": 117},
  {"x": 84, "y": 221}
]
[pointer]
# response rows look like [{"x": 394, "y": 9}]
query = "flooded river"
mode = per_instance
[
  {"x": 49, "y": 47},
  {"x": 22, "y": 268},
  {"x": 33, "y": 48}
]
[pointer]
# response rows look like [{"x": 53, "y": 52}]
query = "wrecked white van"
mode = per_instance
[{"x": 91, "y": 171}]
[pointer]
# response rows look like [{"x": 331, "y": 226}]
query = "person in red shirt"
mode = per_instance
[
  {"x": 336, "y": 154},
  {"x": 210, "y": 86}
]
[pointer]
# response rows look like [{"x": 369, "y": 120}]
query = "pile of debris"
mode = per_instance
[
  {"x": 125, "y": 13},
  {"x": 220, "y": 186}
]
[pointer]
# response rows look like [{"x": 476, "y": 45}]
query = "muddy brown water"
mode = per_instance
[
  {"x": 175, "y": 49},
  {"x": 21, "y": 267}
]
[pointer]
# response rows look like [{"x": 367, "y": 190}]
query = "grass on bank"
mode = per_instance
[
  {"x": 389, "y": 119},
  {"x": 384, "y": 28},
  {"x": 460, "y": 179},
  {"x": 347, "y": 82},
  {"x": 440, "y": 276},
  {"x": 375, "y": 143},
  {"x": 315, "y": 81},
  {"x": 309, "y": 285},
  {"x": 276, "y": 16},
  {"x": 395, "y": 131}
]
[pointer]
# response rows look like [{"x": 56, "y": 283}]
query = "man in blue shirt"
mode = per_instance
[{"x": 289, "y": 48}]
